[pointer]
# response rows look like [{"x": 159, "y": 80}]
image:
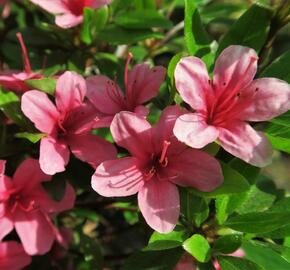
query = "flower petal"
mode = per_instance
[
  {"x": 40, "y": 110},
  {"x": 70, "y": 91},
  {"x": 51, "y": 206},
  {"x": 29, "y": 174},
  {"x": 192, "y": 82},
  {"x": 133, "y": 133},
  {"x": 234, "y": 69},
  {"x": 54, "y": 7},
  {"x": 193, "y": 130},
  {"x": 13, "y": 256},
  {"x": 242, "y": 141},
  {"x": 144, "y": 83},
  {"x": 68, "y": 20},
  {"x": 6, "y": 226},
  {"x": 105, "y": 95},
  {"x": 34, "y": 231},
  {"x": 269, "y": 98},
  {"x": 99, "y": 3},
  {"x": 92, "y": 149},
  {"x": 120, "y": 177},
  {"x": 53, "y": 156},
  {"x": 159, "y": 204},
  {"x": 197, "y": 169}
]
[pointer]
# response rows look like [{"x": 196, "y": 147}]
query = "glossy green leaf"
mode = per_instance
[
  {"x": 251, "y": 29},
  {"x": 234, "y": 263},
  {"x": 228, "y": 243},
  {"x": 142, "y": 19},
  {"x": 279, "y": 68},
  {"x": 118, "y": 35},
  {"x": 198, "y": 247},
  {"x": 258, "y": 222}
]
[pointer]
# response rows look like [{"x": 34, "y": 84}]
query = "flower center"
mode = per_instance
[{"x": 158, "y": 162}]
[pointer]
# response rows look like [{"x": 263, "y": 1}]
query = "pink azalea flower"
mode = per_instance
[
  {"x": 15, "y": 80},
  {"x": 69, "y": 13},
  {"x": 224, "y": 105},
  {"x": 6, "y": 5},
  {"x": 66, "y": 125},
  {"x": 141, "y": 84},
  {"x": 185, "y": 263},
  {"x": 13, "y": 256},
  {"x": 158, "y": 163},
  {"x": 25, "y": 206}
]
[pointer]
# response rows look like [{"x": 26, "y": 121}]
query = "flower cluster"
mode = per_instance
[{"x": 153, "y": 161}]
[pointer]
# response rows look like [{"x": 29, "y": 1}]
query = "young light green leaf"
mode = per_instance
[
  {"x": 198, "y": 247},
  {"x": 46, "y": 85},
  {"x": 32, "y": 137}
]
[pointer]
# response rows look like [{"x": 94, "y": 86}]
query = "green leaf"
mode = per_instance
[
  {"x": 46, "y": 85},
  {"x": 142, "y": 19},
  {"x": 10, "y": 105},
  {"x": 85, "y": 213},
  {"x": 233, "y": 183},
  {"x": 228, "y": 243},
  {"x": 251, "y": 29},
  {"x": 153, "y": 260},
  {"x": 32, "y": 137},
  {"x": 118, "y": 35},
  {"x": 258, "y": 222},
  {"x": 283, "y": 120},
  {"x": 94, "y": 21},
  {"x": 196, "y": 37},
  {"x": 234, "y": 263},
  {"x": 265, "y": 256},
  {"x": 279, "y": 68},
  {"x": 194, "y": 208},
  {"x": 198, "y": 247}
]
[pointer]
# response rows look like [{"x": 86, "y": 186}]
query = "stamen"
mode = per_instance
[
  {"x": 24, "y": 54},
  {"x": 164, "y": 152},
  {"x": 126, "y": 75}
]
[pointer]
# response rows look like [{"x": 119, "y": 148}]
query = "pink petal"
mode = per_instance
[
  {"x": 235, "y": 68},
  {"x": 105, "y": 95},
  {"x": 13, "y": 256},
  {"x": 242, "y": 141},
  {"x": 53, "y": 156},
  {"x": 51, "y": 206},
  {"x": 81, "y": 119},
  {"x": 142, "y": 111},
  {"x": 119, "y": 177},
  {"x": 144, "y": 83},
  {"x": 163, "y": 130},
  {"x": 34, "y": 231},
  {"x": 159, "y": 204},
  {"x": 269, "y": 98},
  {"x": 55, "y": 6},
  {"x": 40, "y": 110},
  {"x": 68, "y": 20},
  {"x": 194, "y": 168},
  {"x": 28, "y": 175},
  {"x": 5, "y": 184},
  {"x": 70, "y": 91},
  {"x": 6, "y": 226},
  {"x": 133, "y": 133},
  {"x": 192, "y": 82},
  {"x": 193, "y": 130},
  {"x": 92, "y": 149}
]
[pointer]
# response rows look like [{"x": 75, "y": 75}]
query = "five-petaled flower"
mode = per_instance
[
  {"x": 66, "y": 125},
  {"x": 69, "y": 13},
  {"x": 225, "y": 104},
  {"x": 141, "y": 84},
  {"x": 158, "y": 163},
  {"x": 15, "y": 80},
  {"x": 13, "y": 256},
  {"x": 26, "y": 206}
]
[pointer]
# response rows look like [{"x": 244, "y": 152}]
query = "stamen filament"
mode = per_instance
[
  {"x": 164, "y": 151},
  {"x": 24, "y": 54}
]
